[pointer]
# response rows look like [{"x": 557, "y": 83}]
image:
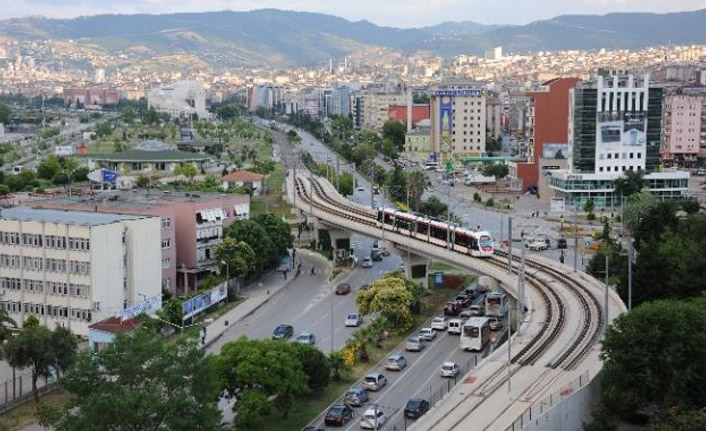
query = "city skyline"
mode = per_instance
[{"x": 395, "y": 13}]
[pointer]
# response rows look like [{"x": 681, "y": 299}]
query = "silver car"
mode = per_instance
[
  {"x": 306, "y": 338},
  {"x": 374, "y": 381},
  {"x": 396, "y": 363},
  {"x": 354, "y": 319},
  {"x": 415, "y": 344}
]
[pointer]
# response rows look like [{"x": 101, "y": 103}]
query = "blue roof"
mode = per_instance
[{"x": 80, "y": 218}]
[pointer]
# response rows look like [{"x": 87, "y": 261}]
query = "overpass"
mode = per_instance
[{"x": 560, "y": 319}]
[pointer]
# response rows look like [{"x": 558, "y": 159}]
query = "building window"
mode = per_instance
[
  {"x": 166, "y": 223},
  {"x": 166, "y": 243},
  {"x": 639, "y": 155},
  {"x": 166, "y": 263},
  {"x": 600, "y": 169}
]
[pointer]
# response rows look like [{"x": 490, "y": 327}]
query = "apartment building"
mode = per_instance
[
  {"x": 180, "y": 98},
  {"x": 614, "y": 127},
  {"x": 376, "y": 107},
  {"x": 684, "y": 121},
  {"x": 458, "y": 122},
  {"x": 72, "y": 268}
]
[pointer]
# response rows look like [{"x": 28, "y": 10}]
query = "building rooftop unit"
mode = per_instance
[{"x": 80, "y": 218}]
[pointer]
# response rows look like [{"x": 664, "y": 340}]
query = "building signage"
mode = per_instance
[
  {"x": 574, "y": 177},
  {"x": 555, "y": 151},
  {"x": 446, "y": 117},
  {"x": 557, "y": 205},
  {"x": 148, "y": 306},
  {"x": 618, "y": 129},
  {"x": 459, "y": 93},
  {"x": 200, "y": 303}
]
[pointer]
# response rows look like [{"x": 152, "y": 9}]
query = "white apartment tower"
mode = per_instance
[{"x": 458, "y": 121}]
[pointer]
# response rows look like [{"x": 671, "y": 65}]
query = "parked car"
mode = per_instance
[
  {"x": 495, "y": 323},
  {"x": 354, "y": 319},
  {"x": 357, "y": 396},
  {"x": 367, "y": 263},
  {"x": 427, "y": 334},
  {"x": 373, "y": 419},
  {"x": 537, "y": 245},
  {"x": 343, "y": 289},
  {"x": 415, "y": 344},
  {"x": 306, "y": 338},
  {"x": 477, "y": 310},
  {"x": 451, "y": 309},
  {"x": 463, "y": 300},
  {"x": 416, "y": 407},
  {"x": 455, "y": 326},
  {"x": 338, "y": 414},
  {"x": 396, "y": 362},
  {"x": 449, "y": 369},
  {"x": 283, "y": 332},
  {"x": 374, "y": 381},
  {"x": 439, "y": 323}
]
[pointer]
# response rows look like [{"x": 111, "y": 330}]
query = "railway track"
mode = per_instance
[{"x": 591, "y": 320}]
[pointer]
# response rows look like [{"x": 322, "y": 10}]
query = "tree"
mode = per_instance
[
  {"x": 492, "y": 145},
  {"x": 346, "y": 182},
  {"x": 638, "y": 206},
  {"x": 240, "y": 258},
  {"x": 647, "y": 366},
  {"x": 142, "y": 181},
  {"x": 278, "y": 231},
  {"x": 390, "y": 297},
  {"x": 188, "y": 170},
  {"x": 417, "y": 183},
  {"x": 172, "y": 312},
  {"x": 5, "y": 321},
  {"x": 103, "y": 130},
  {"x": 47, "y": 415},
  {"x": 338, "y": 365},
  {"x": 433, "y": 207},
  {"x": 497, "y": 170},
  {"x": 690, "y": 205},
  {"x": 389, "y": 149},
  {"x": 397, "y": 184},
  {"x": 128, "y": 115},
  {"x": 630, "y": 183},
  {"x": 315, "y": 365},
  {"x": 682, "y": 420},
  {"x": 395, "y": 131},
  {"x": 32, "y": 347},
  {"x": 49, "y": 167},
  {"x": 142, "y": 382},
  {"x": 588, "y": 208},
  {"x": 5, "y": 114},
  {"x": 268, "y": 367},
  {"x": 254, "y": 235},
  {"x": 64, "y": 346}
]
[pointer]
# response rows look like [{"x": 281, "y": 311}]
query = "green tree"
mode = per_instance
[
  {"x": 389, "y": 149},
  {"x": 142, "y": 382},
  {"x": 647, "y": 366},
  {"x": 240, "y": 257},
  {"x": 128, "y": 115},
  {"x": 315, "y": 365},
  {"x": 338, "y": 365},
  {"x": 390, "y": 297},
  {"x": 251, "y": 409},
  {"x": 417, "y": 182},
  {"x": 690, "y": 205},
  {"x": 364, "y": 152},
  {"x": 64, "y": 346},
  {"x": 433, "y": 207},
  {"x": 395, "y": 131},
  {"x": 346, "y": 183},
  {"x": 49, "y": 167},
  {"x": 103, "y": 130},
  {"x": 254, "y": 235},
  {"x": 5, "y": 114},
  {"x": 172, "y": 312},
  {"x": 397, "y": 184},
  {"x": 497, "y": 170},
  {"x": 150, "y": 116},
  {"x": 32, "y": 348},
  {"x": 188, "y": 170},
  {"x": 47, "y": 415},
  {"x": 278, "y": 231},
  {"x": 142, "y": 181},
  {"x": 682, "y": 420},
  {"x": 5, "y": 321},
  {"x": 630, "y": 183},
  {"x": 492, "y": 145},
  {"x": 588, "y": 208},
  {"x": 270, "y": 367}
]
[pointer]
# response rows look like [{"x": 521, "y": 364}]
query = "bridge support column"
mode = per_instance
[
  {"x": 336, "y": 239},
  {"x": 416, "y": 267}
]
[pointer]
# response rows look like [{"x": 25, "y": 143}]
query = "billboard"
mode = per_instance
[
  {"x": 199, "y": 303},
  {"x": 148, "y": 306},
  {"x": 621, "y": 129},
  {"x": 557, "y": 205},
  {"x": 446, "y": 116},
  {"x": 555, "y": 151},
  {"x": 459, "y": 92}
]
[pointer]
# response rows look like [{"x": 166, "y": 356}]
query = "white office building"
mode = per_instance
[
  {"x": 181, "y": 98},
  {"x": 458, "y": 124},
  {"x": 71, "y": 268}
]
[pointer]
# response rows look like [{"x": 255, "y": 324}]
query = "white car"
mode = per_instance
[
  {"x": 367, "y": 263},
  {"x": 427, "y": 334},
  {"x": 538, "y": 245},
  {"x": 439, "y": 323},
  {"x": 455, "y": 326},
  {"x": 449, "y": 369},
  {"x": 354, "y": 319},
  {"x": 373, "y": 419}
]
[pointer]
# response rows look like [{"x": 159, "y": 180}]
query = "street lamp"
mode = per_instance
[{"x": 227, "y": 279}]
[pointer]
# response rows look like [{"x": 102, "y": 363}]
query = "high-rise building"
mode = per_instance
[
  {"x": 458, "y": 119},
  {"x": 181, "y": 98},
  {"x": 684, "y": 120},
  {"x": 72, "y": 268},
  {"x": 376, "y": 106},
  {"x": 614, "y": 127},
  {"x": 495, "y": 53},
  {"x": 99, "y": 77}
]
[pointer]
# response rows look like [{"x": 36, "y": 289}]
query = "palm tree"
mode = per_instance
[
  {"x": 417, "y": 182},
  {"x": 5, "y": 320}
]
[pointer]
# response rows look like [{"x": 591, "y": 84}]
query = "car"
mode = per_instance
[
  {"x": 367, "y": 263},
  {"x": 376, "y": 255},
  {"x": 376, "y": 190},
  {"x": 356, "y": 397},
  {"x": 283, "y": 332},
  {"x": 495, "y": 323},
  {"x": 343, "y": 289},
  {"x": 537, "y": 245},
  {"x": 373, "y": 418},
  {"x": 385, "y": 252},
  {"x": 360, "y": 189},
  {"x": 416, "y": 407},
  {"x": 451, "y": 309},
  {"x": 449, "y": 369},
  {"x": 471, "y": 292},
  {"x": 338, "y": 414},
  {"x": 465, "y": 315},
  {"x": 396, "y": 362},
  {"x": 463, "y": 300},
  {"x": 306, "y": 338},
  {"x": 455, "y": 326},
  {"x": 313, "y": 428},
  {"x": 476, "y": 310},
  {"x": 427, "y": 334},
  {"x": 701, "y": 172},
  {"x": 374, "y": 382},
  {"x": 561, "y": 243},
  {"x": 415, "y": 344},
  {"x": 354, "y": 319},
  {"x": 439, "y": 323}
]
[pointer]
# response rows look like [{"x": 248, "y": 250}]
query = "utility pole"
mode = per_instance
[
  {"x": 521, "y": 281},
  {"x": 509, "y": 352},
  {"x": 576, "y": 239},
  {"x": 294, "y": 184},
  {"x": 629, "y": 274},
  {"x": 502, "y": 228},
  {"x": 509, "y": 236},
  {"x": 605, "y": 306},
  {"x": 332, "y": 331},
  {"x": 372, "y": 183},
  {"x": 311, "y": 197},
  {"x": 338, "y": 174}
]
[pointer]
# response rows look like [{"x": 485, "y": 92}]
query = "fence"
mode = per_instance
[
  {"x": 432, "y": 393},
  {"x": 18, "y": 388},
  {"x": 542, "y": 406}
]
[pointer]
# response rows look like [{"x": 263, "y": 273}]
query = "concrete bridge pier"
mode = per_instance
[
  {"x": 337, "y": 239},
  {"x": 416, "y": 267}
]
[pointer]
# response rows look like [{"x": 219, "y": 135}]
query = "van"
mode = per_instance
[{"x": 454, "y": 326}]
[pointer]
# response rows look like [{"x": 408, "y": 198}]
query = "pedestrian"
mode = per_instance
[
  {"x": 313, "y": 270},
  {"x": 561, "y": 257}
]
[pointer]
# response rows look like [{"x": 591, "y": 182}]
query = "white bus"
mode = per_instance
[
  {"x": 496, "y": 304},
  {"x": 475, "y": 334}
]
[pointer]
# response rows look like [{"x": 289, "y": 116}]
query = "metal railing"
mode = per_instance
[{"x": 15, "y": 391}]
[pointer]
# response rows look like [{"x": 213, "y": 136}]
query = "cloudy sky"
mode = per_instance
[{"x": 398, "y": 13}]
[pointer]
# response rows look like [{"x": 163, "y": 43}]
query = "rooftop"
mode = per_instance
[
  {"x": 79, "y": 218},
  {"x": 151, "y": 156},
  {"x": 114, "y": 325},
  {"x": 245, "y": 176}
]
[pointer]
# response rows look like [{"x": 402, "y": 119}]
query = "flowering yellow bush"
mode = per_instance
[{"x": 350, "y": 353}]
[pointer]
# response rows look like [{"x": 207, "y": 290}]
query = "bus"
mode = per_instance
[
  {"x": 475, "y": 334},
  {"x": 496, "y": 304}
]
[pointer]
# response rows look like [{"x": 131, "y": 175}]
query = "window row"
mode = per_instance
[
  {"x": 52, "y": 287},
  {"x": 49, "y": 264},
  {"x": 47, "y": 310},
  {"x": 46, "y": 241}
]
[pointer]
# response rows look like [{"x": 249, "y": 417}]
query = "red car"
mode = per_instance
[{"x": 343, "y": 289}]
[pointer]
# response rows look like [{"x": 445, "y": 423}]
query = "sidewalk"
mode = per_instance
[{"x": 256, "y": 295}]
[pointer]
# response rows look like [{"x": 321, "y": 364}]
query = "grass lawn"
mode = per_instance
[
  {"x": 23, "y": 415},
  {"x": 273, "y": 201}
]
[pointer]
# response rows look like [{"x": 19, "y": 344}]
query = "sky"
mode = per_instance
[{"x": 395, "y": 13}]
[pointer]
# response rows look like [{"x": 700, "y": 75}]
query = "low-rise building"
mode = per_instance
[
  {"x": 150, "y": 157},
  {"x": 417, "y": 146},
  {"x": 71, "y": 268},
  {"x": 246, "y": 179}
]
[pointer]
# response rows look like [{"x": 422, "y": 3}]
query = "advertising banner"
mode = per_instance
[
  {"x": 618, "y": 129},
  {"x": 555, "y": 151},
  {"x": 446, "y": 116},
  {"x": 459, "y": 92},
  {"x": 198, "y": 304},
  {"x": 148, "y": 306},
  {"x": 557, "y": 205}
]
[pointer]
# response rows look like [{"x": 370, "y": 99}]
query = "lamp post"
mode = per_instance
[{"x": 227, "y": 278}]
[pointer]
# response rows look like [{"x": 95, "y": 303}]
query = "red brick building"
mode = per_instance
[
  {"x": 91, "y": 96},
  {"x": 547, "y": 122}
]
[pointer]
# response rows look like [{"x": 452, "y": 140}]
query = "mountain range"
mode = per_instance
[{"x": 272, "y": 37}]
